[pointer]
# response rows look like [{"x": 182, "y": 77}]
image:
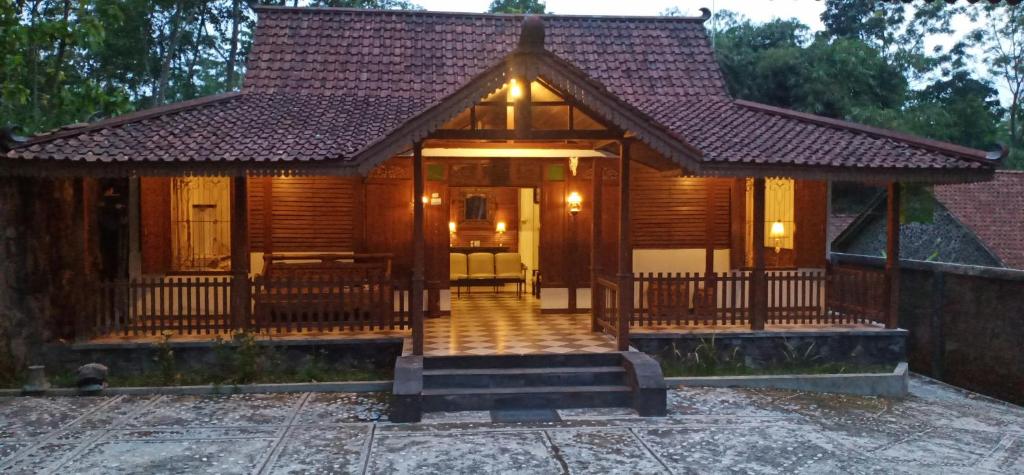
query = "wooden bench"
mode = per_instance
[
  {"x": 487, "y": 269},
  {"x": 324, "y": 291}
]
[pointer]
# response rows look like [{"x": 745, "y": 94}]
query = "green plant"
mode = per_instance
[
  {"x": 248, "y": 358},
  {"x": 164, "y": 358},
  {"x": 799, "y": 356},
  {"x": 705, "y": 359}
]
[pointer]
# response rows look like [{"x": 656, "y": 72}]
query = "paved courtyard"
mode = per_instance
[{"x": 937, "y": 430}]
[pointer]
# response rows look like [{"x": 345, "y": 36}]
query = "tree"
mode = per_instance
[
  {"x": 517, "y": 6},
  {"x": 1002, "y": 46}
]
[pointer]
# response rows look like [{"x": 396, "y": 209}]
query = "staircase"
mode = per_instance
[{"x": 480, "y": 383}]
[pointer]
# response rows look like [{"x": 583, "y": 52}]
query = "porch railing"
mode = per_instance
[
  {"x": 203, "y": 305},
  {"x": 150, "y": 306},
  {"x": 606, "y": 307},
  {"x": 839, "y": 295}
]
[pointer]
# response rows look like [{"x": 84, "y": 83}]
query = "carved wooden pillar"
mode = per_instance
[
  {"x": 892, "y": 255},
  {"x": 625, "y": 250},
  {"x": 241, "y": 306},
  {"x": 758, "y": 281},
  {"x": 595, "y": 243},
  {"x": 418, "y": 251}
]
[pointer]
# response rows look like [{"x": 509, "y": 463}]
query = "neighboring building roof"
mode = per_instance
[
  {"x": 974, "y": 224},
  {"x": 994, "y": 211},
  {"x": 330, "y": 85}
]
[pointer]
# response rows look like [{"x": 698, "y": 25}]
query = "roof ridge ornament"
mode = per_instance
[
  {"x": 8, "y": 139},
  {"x": 531, "y": 38}
]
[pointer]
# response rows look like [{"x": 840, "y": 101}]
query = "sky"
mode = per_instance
[{"x": 807, "y": 11}]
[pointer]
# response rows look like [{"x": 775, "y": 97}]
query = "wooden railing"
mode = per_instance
[
  {"x": 606, "y": 311},
  {"x": 841, "y": 295},
  {"x": 857, "y": 294},
  {"x": 202, "y": 305},
  {"x": 150, "y": 306},
  {"x": 328, "y": 303},
  {"x": 690, "y": 298}
]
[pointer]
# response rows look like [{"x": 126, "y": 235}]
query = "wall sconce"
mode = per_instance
[
  {"x": 515, "y": 91},
  {"x": 451, "y": 230},
  {"x": 777, "y": 232},
  {"x": 575, "y": 202},
  {"x": 501, "y": 228}
]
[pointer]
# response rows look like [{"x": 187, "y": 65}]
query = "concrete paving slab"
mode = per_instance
[{"x": 938, "y": 429}]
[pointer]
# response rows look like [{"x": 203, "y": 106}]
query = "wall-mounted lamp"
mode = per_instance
[
  {"x": 777, "y": 232},
  {"x": 515, "y": 91},
  {"x": 575, "y": 202},
  {"x": 451, "y": 229},
  {"x": 501, "y": 228}
]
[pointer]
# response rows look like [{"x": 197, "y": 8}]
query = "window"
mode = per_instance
[
  {"x": 779, "y": 215},
  {"x": 200, "y": 223},
  {"x": 549, "y": 111}
]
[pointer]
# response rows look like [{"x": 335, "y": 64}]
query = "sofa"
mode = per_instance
[{"x": 486, "y": 269}]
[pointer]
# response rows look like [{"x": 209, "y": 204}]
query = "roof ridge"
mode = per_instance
[
  {"x": 134, "y": 116},
  {"x": 959, "y": 151},
  {"x": 377, "y": 11}
]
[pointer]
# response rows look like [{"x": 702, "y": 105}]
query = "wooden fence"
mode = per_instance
[
  {"x": 836, "y": 296},
  {"x": 606, "y": 310},
  {"x": 202, "y": 305},
  {"x": 150, "y": 306}
]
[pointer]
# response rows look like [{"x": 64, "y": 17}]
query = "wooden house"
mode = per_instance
[{"x": 367, "y": 147}]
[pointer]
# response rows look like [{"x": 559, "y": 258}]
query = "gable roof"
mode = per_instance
[
  {"x": 994, "y": 211},
  {"x": 325, "y": 88}
]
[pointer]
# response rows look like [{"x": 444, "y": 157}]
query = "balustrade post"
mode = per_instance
[
  {"x": 595, "y": 246},
  {"x": 758, "y": 280},
  {"x": 625, "y": 250},
  {"x": 892, "y": 255},
  {"x": 241, "y": 304},
  {"x": 418, "y": 251}
]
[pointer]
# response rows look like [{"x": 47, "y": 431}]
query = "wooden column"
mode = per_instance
[
  {"x": 892, "y": 255},
  {"x": 758, "y": 282},
  {"x": 595, "y": 243},
  {"x": 709, "y": 229},
  {"x": 625, "y": 250},
  {"x": 418, "y": 251},
  {"x": 241, "y": 305}
]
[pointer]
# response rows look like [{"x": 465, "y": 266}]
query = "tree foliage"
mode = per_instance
[
  {"x": 869, "y": 65},
  {"x": 67, "y": 61},
  {"x": 517, "y": 6}
]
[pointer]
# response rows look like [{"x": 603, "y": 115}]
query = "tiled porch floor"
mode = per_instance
[{"x": 496, "y": 324}]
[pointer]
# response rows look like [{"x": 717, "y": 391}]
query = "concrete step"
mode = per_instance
[
  {"x": 536, "y": 397},
  {"x": 522, "y": 361},
  {"x": 524, "y": 377}
]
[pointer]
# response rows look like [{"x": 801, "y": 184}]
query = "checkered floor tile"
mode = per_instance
[{"x": 494, "y": 324}]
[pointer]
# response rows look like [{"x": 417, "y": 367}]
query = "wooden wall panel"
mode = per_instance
[
  {"x": 388, "y": 198},
  {"x": 553, "y": 218},
  {"x": 669, "y": 212},
  {"x": 155, "y": 220},
  {"x": 811, "y": 208},
  {"x": 436, "y": 229},
  {"x": 505, "y": 207},
  {"x": 307, "y": 214}
]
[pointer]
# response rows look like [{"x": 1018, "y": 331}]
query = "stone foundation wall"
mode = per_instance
[
  {"x": 123, "y": 359},
  {"x": 759, "y": 350}
]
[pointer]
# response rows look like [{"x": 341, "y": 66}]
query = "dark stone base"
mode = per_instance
[
  {"x": 407, "y": 392},
  {"x": 764, "y": 349},
  {"x": 137, "y": 358}
]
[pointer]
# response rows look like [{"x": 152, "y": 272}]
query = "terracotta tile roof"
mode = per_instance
[
  {"x": 328, "y": 84},
  {"x": 252, "y": 127},
  {"x": 994, "y": 211}
]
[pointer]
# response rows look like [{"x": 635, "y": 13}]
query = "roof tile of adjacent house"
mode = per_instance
[
  {"x": 327, "y": 84},
  {"x": 994, "y": 211}
]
